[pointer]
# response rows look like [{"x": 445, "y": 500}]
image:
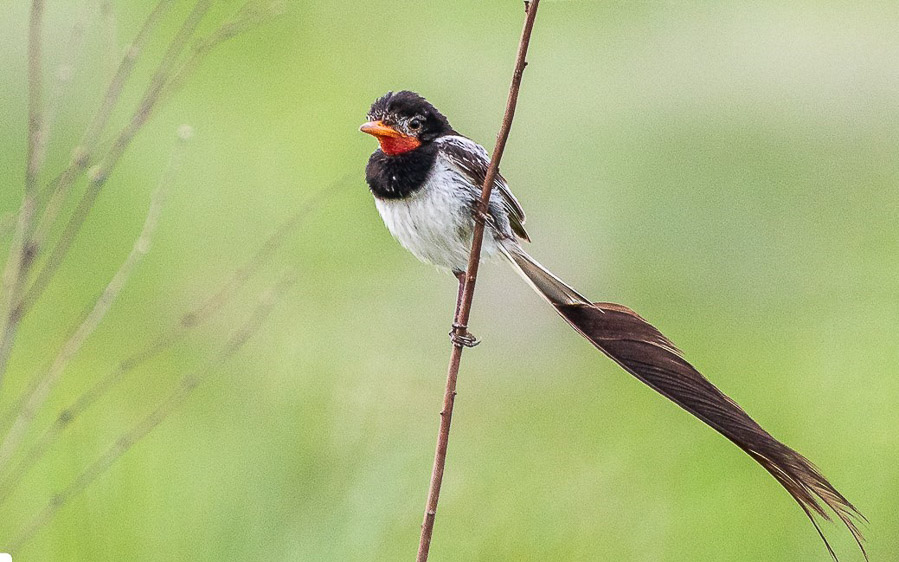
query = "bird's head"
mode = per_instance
[{"x": 403, "y": 121}]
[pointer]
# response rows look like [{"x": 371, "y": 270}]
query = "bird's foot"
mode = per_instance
[{"x": 460, "y": 336}]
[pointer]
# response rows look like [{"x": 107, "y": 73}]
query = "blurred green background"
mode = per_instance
[{"x": 729, "y": 171}]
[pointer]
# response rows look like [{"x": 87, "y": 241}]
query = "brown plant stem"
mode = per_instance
[
  {"x": 35, "y": 95},
  {"x": 460, "y": 323},
  {"x": 83, "y": 153},
  {"x": 34, "y": 398},
  {"x": 20, "y": 252},
  {"x": 172, "y": 402},
  {"x": 27, "y": 244},
  {"x": 62, "y": 80},
  {"x": 250, "y": 15},
  {"x": 188, "y": 321},
  {"x": 111, "y": 30},
  {"x": 7, "y": 222},
  {"x": 100, "y": 173},
  {"x": 169, "y": 77}
]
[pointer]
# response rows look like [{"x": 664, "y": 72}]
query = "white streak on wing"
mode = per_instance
[
  {"x": 501, "y": 191},
  {"x": 467, "y": 144}
]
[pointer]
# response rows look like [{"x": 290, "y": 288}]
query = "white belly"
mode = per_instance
[{"x": 435, "y": 223}]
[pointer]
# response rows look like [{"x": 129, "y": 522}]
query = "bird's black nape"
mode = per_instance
[{"x": 399, "y": 108}]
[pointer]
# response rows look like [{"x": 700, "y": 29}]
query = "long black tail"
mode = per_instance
[{"x": 644, "y": 352}]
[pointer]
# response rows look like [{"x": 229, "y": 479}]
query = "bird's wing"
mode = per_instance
[
  {"x": 473, "y": 160},
  {"x": 513, "y": 207}
]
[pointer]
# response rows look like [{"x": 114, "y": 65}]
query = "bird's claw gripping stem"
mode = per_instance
[{"x": 460, "y": 336}]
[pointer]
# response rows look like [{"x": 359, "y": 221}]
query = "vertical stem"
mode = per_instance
[
  {"x": 83, "y": 153},
  {"x": 44, "y": 382},
  {"x": 20, "y": 253},
  {"x": 35, "y": 95},
  {"x": 123, "y": 140},
  {"x": 464, "y": 308}
]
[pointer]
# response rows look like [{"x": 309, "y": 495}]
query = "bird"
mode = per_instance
[{"x": 426, "y": 181}]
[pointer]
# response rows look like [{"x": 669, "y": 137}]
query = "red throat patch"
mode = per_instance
[{"x": 398, "y": 145}]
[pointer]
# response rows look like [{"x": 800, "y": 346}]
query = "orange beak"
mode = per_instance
[
  {"x": 392, "y": 141},
  {"x": 379, "y": 129}
]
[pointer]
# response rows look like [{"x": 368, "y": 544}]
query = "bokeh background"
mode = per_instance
[{"x": 728, "y": 170}]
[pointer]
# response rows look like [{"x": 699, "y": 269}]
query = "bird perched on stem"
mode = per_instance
[{"x": 426, "y": 178}]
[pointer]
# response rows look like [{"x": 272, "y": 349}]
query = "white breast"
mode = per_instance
[{"x": 435, "y": 223}]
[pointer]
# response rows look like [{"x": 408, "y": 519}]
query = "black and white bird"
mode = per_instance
[{"x": 426, "y": 180}]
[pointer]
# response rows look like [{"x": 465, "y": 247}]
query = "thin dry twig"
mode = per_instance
[
  {"x": 82, "y": 155},
  {"x": 26, "y": 245},
  {"x": 463, "y": 313},
  {"x": 166, "y": 81},
  {"x": 100, "y": 173},
  {"x": 35, "y": 397},
  {"x": 250, "y": 15},
  {"x": 111, "y": 29},
  {"x": 187, "y": 322},
  {"x": 20, "y": 253},
  {"x": 65, "y": 71},
  {"x": 7, "y": 222},
  {"x": 20, "y": 300},
  {"x": 267, "y": 301},
  {"x": 35, "y": 94},
  {"x": 247, "y": 17}
]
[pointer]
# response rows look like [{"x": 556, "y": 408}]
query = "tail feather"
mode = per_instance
[
  {"x": 539, "y": 278},
  {"x": 646, "y": 353}
]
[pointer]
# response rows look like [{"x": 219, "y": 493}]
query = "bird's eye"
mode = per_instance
[{"x": 415, "y": 124}]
